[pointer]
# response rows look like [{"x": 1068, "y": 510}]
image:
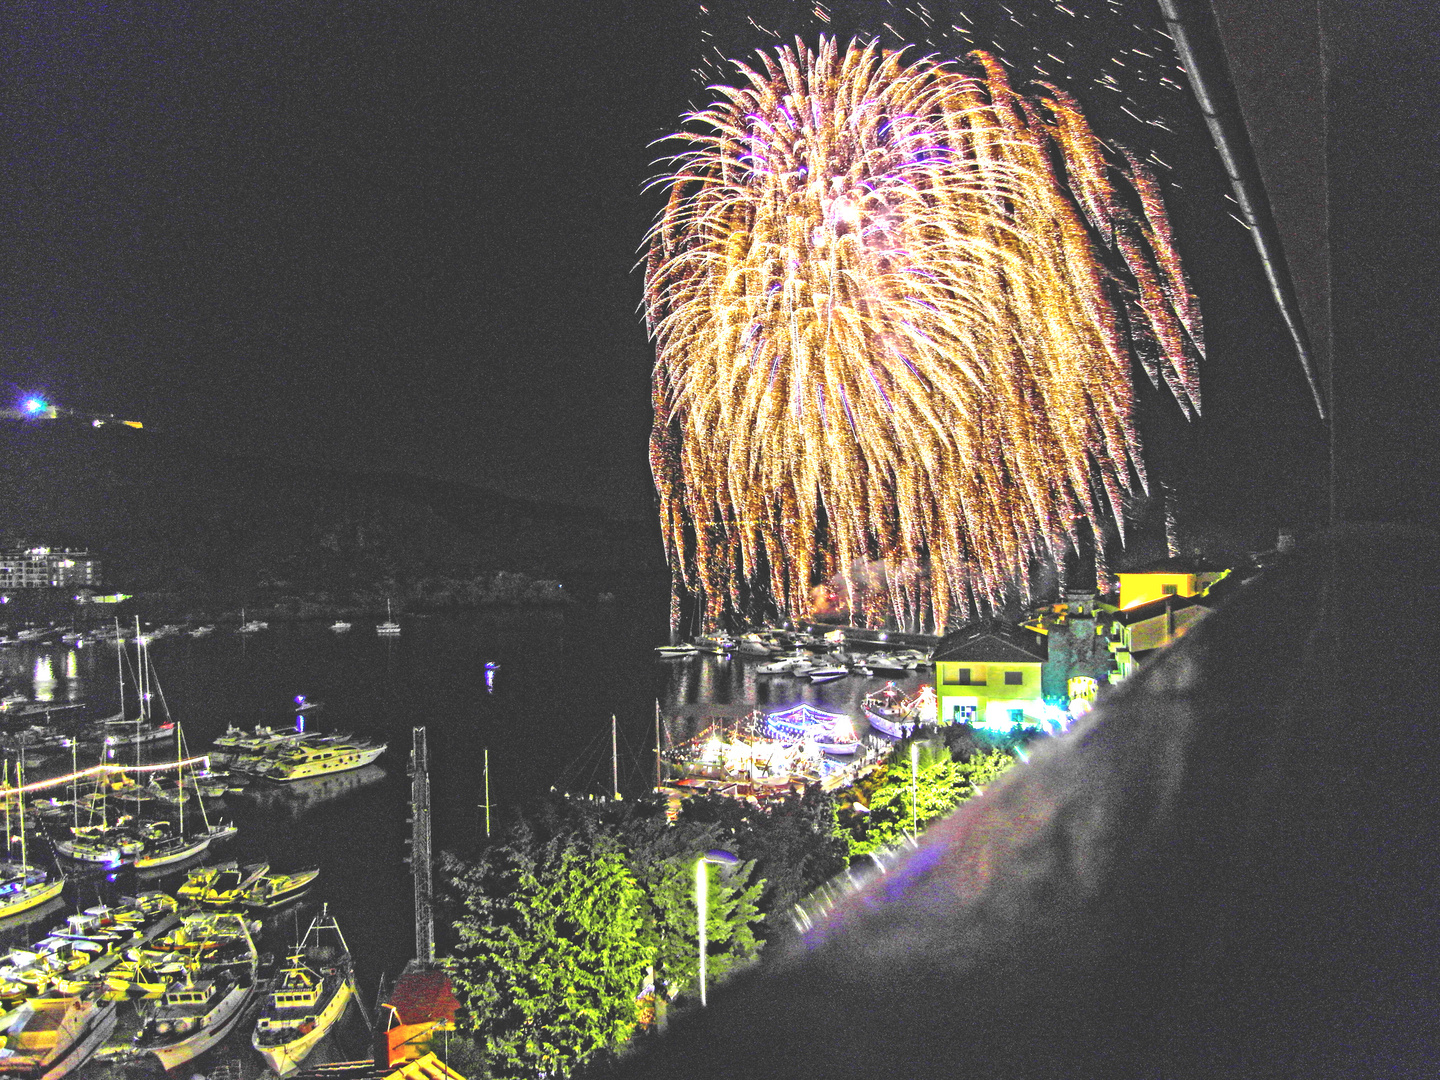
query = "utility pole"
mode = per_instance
[
  {"x": 487, "y": 793},
  {"x": 420, "y": 849}
]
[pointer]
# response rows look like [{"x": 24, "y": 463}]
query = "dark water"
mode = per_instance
[{"x": 544, "y": 715}]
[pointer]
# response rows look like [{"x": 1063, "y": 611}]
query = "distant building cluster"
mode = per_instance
[
  {"x": 48, "y": 568},
  {"x": 995, "y": 675}
]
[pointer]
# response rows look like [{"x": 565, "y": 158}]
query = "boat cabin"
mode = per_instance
[{"x": 196, "y": 993}]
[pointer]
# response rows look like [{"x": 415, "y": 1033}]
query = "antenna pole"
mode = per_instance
[{"x": 420, "y": 849}]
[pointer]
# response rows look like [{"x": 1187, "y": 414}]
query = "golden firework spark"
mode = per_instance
[{"x": 894, "y": 304}]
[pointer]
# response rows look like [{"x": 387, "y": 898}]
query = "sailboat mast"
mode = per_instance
[
  {"x": 179, "y": 773},
  {"x": 614, "y": 759},
  {"x": 657, "y": 744},
  {"x": 487, "y": 792},
  {"x": 20, "y": 783},
  {"x": 7, "y": 808}
]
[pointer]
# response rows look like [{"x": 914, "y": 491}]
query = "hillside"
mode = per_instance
[{"x": 174, "y": 517}]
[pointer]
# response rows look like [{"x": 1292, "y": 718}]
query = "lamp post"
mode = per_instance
[
  {"x": 915, "y": 790},
  {"x": 702, "y": 890}
]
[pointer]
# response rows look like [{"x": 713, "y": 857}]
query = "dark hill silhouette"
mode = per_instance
[{"x": 172, "y": 515}]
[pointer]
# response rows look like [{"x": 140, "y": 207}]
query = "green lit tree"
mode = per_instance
[
  {"x": 666, "y": 869},
  {"x": 551, "y": 952},
  {"x": 893, "y": 800}
]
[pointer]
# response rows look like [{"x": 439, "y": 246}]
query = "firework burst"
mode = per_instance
[{"x": 894, "y": 304}]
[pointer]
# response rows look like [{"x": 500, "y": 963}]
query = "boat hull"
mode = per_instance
[
  {"x": 33, "y": 898},
  {"x": 308, "y": 771},
  {"x": 287, "y": 1057},
  {"x": 179, "y": 854},
  {"x": 224, "y": 1019}
]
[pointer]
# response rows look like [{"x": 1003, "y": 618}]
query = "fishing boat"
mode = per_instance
[
  {"x": 309, "y": 997},
  {"x": 886, "y": 711},
  {"x": 303, "y": 762},
  {"x": 194, "y": 1015},
  {"x": 49, "y": 1037},
  {"x": 389, "y": 627}
]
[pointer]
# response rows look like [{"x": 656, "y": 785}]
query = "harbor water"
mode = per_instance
[{"x": 535, "y": 687}]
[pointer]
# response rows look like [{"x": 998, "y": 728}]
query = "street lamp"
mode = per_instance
[
  {"x": 915, "y": 789},
  {"x": 702, "y": 883}
]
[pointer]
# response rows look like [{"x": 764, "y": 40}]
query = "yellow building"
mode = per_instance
[
  {"x": 1174, "y": 577},
  {"x": 988, "y": 675}
]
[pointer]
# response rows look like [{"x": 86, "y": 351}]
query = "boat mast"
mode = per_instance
[
  {"x": 7, "y": 807},
  {"x": 20, "y": 783},
  {"x": 657, "y": 745},
  {"x": 75, "y": 774},
  {"x": 614, "y": 759}
]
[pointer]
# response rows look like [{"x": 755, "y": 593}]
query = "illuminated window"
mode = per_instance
[{"x": 1014, "y": 678}]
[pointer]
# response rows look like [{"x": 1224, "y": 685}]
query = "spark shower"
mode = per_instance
[{"x": 894, "y": 303}]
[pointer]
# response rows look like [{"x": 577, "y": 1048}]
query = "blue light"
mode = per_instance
[{"x": 35, "y": 405}]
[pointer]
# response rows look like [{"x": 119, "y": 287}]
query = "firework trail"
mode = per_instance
[{"x": 894, "y": 304}]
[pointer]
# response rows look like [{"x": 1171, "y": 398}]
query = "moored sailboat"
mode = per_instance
[{"x": 23, "y": 886}]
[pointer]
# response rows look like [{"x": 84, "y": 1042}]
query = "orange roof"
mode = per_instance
[{"x": 424, "y": 997}]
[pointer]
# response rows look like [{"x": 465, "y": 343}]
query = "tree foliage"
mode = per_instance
[
  {"x": 551, "y": 952},
  {"x": 892, "y": 801}
]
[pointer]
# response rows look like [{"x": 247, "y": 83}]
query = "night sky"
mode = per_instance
[{"x": 402, "y": 235}]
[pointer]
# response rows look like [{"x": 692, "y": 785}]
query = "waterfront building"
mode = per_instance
[
  {"x": 1172, "y": 577},
  {"x": 48, "y": 568},
  {"x": 988, "y": 674}
]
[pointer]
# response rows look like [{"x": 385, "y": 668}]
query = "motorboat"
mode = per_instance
[
  {"x": 305, "y": 761},
  {"x": 308, "y": 998},
  {"x": 715, "y": 643},
  {"x": 777, "y": 667},
  {"x": 827, "y": 672},
  {"x": 673, "y": 652},
  {"x": 223, "y": 885},
  {"x": 50, "y": 1037},
  {"x": 273, "y": 891},
  {"x": 100, "y": 844},
  {"x": 202, "y": 631},
  {"x": 340, "y": 626},
  {"x": 840, "y": 740}
]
